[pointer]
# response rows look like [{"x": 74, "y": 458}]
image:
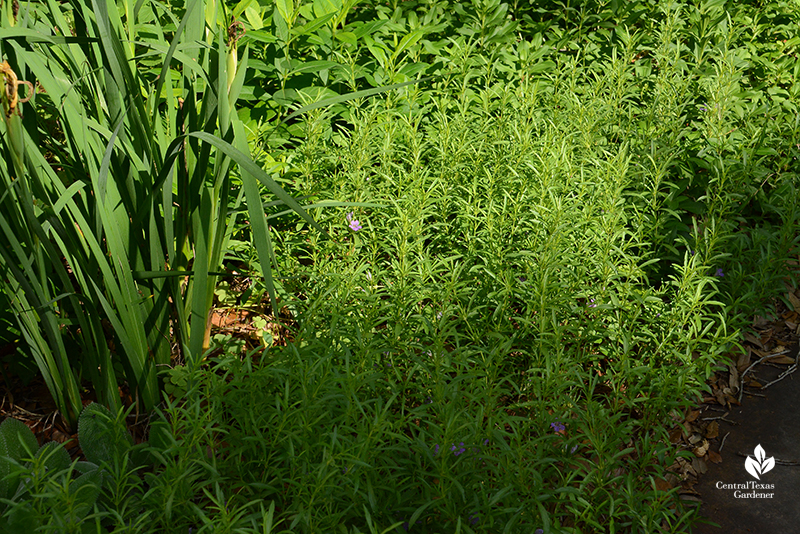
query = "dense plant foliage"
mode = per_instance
[
  {"x": 116, "y": 210},
  {"x": 513, "y": 268}
]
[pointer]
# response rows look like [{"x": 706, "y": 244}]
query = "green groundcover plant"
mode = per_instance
[{"x": 519, "y": 271}]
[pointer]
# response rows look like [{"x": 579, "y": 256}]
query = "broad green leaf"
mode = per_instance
[
  {"x": 241, "y": 7},
  {"x": 56, "y": 458},
  {"x": 102, "y": 437},
  {"x": 361, "y": 29},
  {"x": 347, "y": 38},
  {"x": 15, "y": 438},
  {"x": 327, "y": 7},
  {"x": 313, "y": 25},
  {"x": 407, "y": 42},
  {"x": 286, "y": 10},
  {"x": 253, "y": 16}
]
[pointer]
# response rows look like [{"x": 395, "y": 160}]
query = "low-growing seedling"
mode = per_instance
[{"x": 34, "y": 479}]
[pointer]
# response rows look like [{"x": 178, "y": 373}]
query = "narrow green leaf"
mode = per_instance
[{"x": 250, "y": 167}]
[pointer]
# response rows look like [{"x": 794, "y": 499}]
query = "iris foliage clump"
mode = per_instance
[{"x": 492, "y": 251}]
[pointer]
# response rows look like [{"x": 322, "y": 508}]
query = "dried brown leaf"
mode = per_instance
[
  {"x": 733, "y": 378},
  {"x": 754, "y": 340},
  {"x": 686, "y": 470},
  {"x": 760, "y": 322},
  {"x": 712, "y": 430},
  {"x": 793, "y": 300},
  {"x": 662, "y": 485},
  {"x": 699, "y": 465},
  {"x": 701, "y": 450},
  {"x": 729, "y": 399},
  {"x": 744, "y": 361},
  {"x": 714, "y": 457}
]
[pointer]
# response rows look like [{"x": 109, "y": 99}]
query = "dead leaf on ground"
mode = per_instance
[
  {"x": 714, "y": 457},
  {"x": 760, "y": 322},
  {"x": 754, "y": 340},
  {"x": 662, "y": 485},
  {"x": 793, "y": 300},
  {"x": 699, "y": 465},
  {"x": 701, "y": 450},
  {"x": 743, "y": 361},
  {"x": 732, "y": 400},
  {"x": 686, "y": 469},
  {"x": 712, "y": 430},
  {"x": 733, "y": 378}
]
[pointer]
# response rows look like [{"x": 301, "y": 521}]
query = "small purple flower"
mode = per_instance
[
  {"x": 719, "y": 273},
  {"x": 539, "y": 531},
  {"x": 486, "y": 442},
  {"x": 429, "y": 400},
  {"x": 592, "y": 305},
  {"x": 436, "y": 449},
  {"x": 703, "y": 108},
  {"x": 458, "y": 450},
  {"x": 473, "y": 519},
  {"x": 557, "y": 427},
  {"x": 352, "y": 223},
  {"x": 439, "y": 315}
]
